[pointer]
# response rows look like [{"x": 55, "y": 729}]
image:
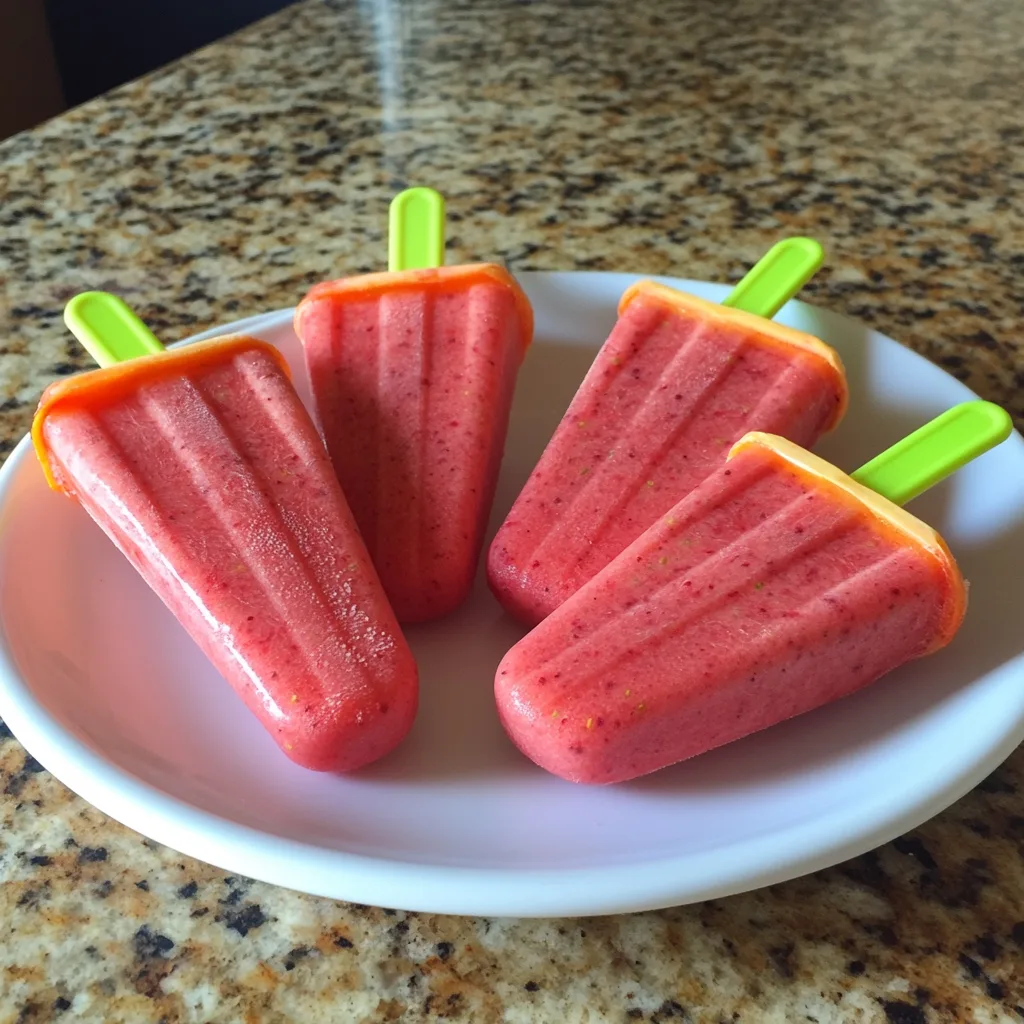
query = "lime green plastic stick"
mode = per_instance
[
  {"x": 108, "y": 329},
  {"x": 416, "y": 230},
  {"x": 934, "y": 451},
  {"x": 777, "y": 276}
]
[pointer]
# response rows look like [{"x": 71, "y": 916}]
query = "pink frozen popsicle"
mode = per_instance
[
  {"x": 678, "y": 381},
  {"x": 412, "y": 375},
  {"x": 778, "y": 585},
  {"x": 204, "y": 469}
]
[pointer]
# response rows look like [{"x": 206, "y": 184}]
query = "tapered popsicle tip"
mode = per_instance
[
  {"x": 936, "y": 450},
  {"x": 777, "y": 276},
  {"x": 416, "y": 230},
  {"x": 108, "y": 329}
]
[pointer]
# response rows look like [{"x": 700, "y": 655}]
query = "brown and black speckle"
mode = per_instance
[{"x": 648, "y": 137}]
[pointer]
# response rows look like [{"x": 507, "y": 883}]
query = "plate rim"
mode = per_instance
[{"x": 769, "y": 859}]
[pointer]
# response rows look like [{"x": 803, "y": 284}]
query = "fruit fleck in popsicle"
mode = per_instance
[
  {"x": 678, "y": 381},
  {"x": 205, "y": 470},
  {"x": 412, "y": 374},
  {"x": 778, "y": 585}
]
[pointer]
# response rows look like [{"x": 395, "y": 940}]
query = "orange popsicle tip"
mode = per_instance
[
  {"x": 759, "y": 330},
  {"x": 112, "y": 382},
  {"x": 441, "y": 279}
]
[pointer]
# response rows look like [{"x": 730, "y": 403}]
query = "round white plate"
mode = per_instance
[{"x": 106, "y": 690}]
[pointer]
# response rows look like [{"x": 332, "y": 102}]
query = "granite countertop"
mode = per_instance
[{"x": 677, "y": 137}]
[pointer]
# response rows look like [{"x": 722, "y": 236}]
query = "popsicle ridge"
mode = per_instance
[
  {"x": 307, "y": 599},
  {"x": 589, "y": 508},
  {"x": 396, "y": 478},
  {"x": 313, "y": 555},
  {"x": 644, "y": 422},
  {"x": 691, "y": 583},
  {"x": 765, "y": 331}
]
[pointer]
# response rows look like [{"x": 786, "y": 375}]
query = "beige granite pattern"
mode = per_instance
[{"x": 673, "y": 137}]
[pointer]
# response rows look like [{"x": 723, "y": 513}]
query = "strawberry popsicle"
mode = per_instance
[
  {"x": 778, "y": 585},
  {"x": 677, "y": 382},
  {"x": 205, "y": 470},
  {"x": 412, "y": 374}
]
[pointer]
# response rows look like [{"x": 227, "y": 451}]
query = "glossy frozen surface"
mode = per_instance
[{"x": 216, "y": 487}]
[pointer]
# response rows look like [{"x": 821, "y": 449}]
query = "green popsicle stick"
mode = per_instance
[
  {"x": 416, "y": 230},
  {"x": 108, "y": 329},
  {"x": 936, "y": 450},
  {"x": 777, "y": 276}
]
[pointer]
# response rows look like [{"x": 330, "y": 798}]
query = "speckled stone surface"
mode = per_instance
[{"x": 676, "y": 137}]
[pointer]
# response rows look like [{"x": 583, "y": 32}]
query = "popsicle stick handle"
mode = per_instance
[
  {"x": 416, "y": 230},
  {"x": 936, "y": 450},
  {"x": 777, "y": 276},
  {"x": 108, "y": 329}
]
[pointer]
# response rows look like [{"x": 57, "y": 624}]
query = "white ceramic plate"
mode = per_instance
[{"x": 105, "y": 689}]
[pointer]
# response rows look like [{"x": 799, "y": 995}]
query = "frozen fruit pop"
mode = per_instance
[
  {"x": 678, "y": 381},
  {"x": 205, "y": 470},
  {"x": 412, "y": 374},
  {"x": 778, "y": 585}
]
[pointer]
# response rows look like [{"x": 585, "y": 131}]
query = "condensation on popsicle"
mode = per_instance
[
  {"x": 412, "y": 373},
  {"x": 204, "y": 469},
  {"x": 677, "y": 382},
  {"x": 778, "y": 585}
]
